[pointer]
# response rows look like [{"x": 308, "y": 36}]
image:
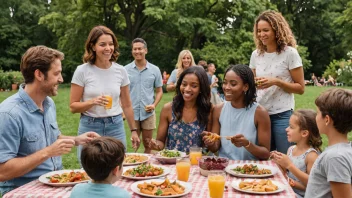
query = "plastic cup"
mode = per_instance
[
  {"x": 216, "y": 183},
  {"x": 195, "y": 153},
  {"x": 109, "y": 98},
  {"x": 183, "y": 168}
]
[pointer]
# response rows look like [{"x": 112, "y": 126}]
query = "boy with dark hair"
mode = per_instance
[
  {"x": 102, "y": 160},
  {"x": 331, "y": 173}
]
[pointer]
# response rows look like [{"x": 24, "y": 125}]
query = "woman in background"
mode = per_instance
[
  {"x": 279, "y": 73},
  {"x": 185, "y": 60}
]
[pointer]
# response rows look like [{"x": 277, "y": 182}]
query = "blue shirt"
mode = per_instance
[
  {"x": 235, "y": 121},
  {"x": 93, "y": 190},
  {"x": 24, "y": 130},
  {"x": 173, "y": 77},
  {"x": 142, "y": 84}
]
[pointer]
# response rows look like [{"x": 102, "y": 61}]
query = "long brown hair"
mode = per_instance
[
  {"x": 95, "y": 33},
  {"x": 283, "y": 33},
  {"x": 306, "y": 121}
]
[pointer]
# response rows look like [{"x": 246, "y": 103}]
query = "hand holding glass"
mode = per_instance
[{"x": 108, "y": 97}]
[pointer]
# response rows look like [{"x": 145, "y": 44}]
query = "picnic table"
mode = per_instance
[{"x": 199, "y": 185}]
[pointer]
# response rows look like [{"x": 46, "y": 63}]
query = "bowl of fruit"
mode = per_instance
[{"x": 208, "y": 163}]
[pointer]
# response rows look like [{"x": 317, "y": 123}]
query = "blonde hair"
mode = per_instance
[
  {"x": 283, "y": 33},
  {"x": 179, "y": 64}
]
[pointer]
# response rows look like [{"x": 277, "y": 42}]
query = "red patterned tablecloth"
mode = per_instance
[{"x": 199, "y": 186}]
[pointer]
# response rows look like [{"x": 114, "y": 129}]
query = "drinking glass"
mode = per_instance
[
  {"x": 108, "y": 96},
  {"x": 183, "y": 167},
  {"x": 216, "y": 182},
  {"x": 195, "y": 153}
]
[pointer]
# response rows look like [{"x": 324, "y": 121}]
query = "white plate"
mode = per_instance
[
  {"x": 166, "y": 171},
  {"x": 168, "y": 160},
  {"x": 229, "y": 169},
  {"x": 235, "y": 184},
  {"x": 43, "y": 179},
  {"x": 136, "y": 163},
  {"x": 135, "y": 189}
]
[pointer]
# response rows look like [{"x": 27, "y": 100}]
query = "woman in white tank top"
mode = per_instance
[{"x": 244, "y": 123}]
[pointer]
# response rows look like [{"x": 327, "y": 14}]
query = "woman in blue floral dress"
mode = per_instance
[{"x": 184, "y": 119}]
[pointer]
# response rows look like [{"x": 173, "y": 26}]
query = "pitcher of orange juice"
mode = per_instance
[
  {"x": 195, "y": 153},
  {"x": 216, "y": 182},
  {"x": 183, "y": 167}
]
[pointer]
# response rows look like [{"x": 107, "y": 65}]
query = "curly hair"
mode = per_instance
[
  {"x": 247, "y": 76},
  {"x": 283, "y": 33},
  {"x": 94, "y": 35},
  {"x": 179, "y": 64},
  {"x": 337, "y": 103},
  {"x": 307, "y": 121},
  {"x": 203, "y": 100}
]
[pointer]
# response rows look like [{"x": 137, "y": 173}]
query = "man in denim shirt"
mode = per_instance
[
  {"x": 144, "y": 77},
  {"x": 30, "y": 141}
]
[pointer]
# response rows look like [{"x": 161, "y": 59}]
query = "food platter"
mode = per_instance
[
  {"x": 125, "y": 174},
  {"x": 169, "y": 160},
  {"x": 230, "y": 169},
  {"x": 186, "y": 185},
  {"x": 132, "y": 159},
  {"x": 45, "y": 179},
  {"x": 236, "y": 185}
]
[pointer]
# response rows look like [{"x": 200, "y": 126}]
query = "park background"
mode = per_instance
[{"x": 217, "y": 31}]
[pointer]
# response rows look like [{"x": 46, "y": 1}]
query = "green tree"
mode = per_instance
[{"x": 20, "y": 30}]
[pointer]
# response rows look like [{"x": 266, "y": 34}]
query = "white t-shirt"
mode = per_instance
[
  {"x": 274, "y": 98},
  {"x": 96, "y": 82}
]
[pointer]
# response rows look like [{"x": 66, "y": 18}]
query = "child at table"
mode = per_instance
[
  {"x": 102, "y": 160},
  {"x": 300, "y": 158},
  {"x": 332, "y": 172}
]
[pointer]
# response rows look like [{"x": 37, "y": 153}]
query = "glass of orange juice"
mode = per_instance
[
  {"x": 216, "y": 182},
  {"x": 183, "y": 167},
  {"x": 108, "y": 96},
  {"x": 195, "y": 153}
]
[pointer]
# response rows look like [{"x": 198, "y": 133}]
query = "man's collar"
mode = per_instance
[
  {"x": 146, "y": 65},
  {"x": 31, "y": 105}
]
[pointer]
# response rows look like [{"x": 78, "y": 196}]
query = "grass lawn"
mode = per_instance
[{"x": 68, "y": 122}]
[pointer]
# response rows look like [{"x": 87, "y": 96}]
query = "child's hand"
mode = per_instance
[{"x": 282, "y": 160}]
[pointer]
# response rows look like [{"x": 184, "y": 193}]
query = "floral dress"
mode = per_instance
[{"x": 181, "y": 136}]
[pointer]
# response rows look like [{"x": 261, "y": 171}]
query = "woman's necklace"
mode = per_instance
[{"x": 187, "y": 114}]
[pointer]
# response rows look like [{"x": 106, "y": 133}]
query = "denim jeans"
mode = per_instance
[
  {"x": 108, "y": 126},
  {"x": 279, "y": 123}
]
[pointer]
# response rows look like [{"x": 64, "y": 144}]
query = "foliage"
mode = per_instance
[
  {"x": 333, "y": 67},
  {"x": 312, "y": 22},
  {"x": 20, "y": 30},
  {"x": 9, "y": 78},
  {"x": 344, "y": 73}
]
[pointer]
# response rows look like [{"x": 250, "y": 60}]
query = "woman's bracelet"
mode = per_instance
[{"x": 249, "y": 143}]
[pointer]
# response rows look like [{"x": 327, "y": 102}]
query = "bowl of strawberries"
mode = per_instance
[{"x": 209, "y": 163}]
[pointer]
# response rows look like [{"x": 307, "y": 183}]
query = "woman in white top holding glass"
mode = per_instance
[
  {"x": 98, "y": 77},
  {"x": 279, "y": 73}
]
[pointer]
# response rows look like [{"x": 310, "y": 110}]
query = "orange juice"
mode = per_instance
[
  {"x": 183, "y": 168},
  {"x": 195, "y": 156},
  {"x": 216, "y": 185},
  {"x": 109, "y": 105}
]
